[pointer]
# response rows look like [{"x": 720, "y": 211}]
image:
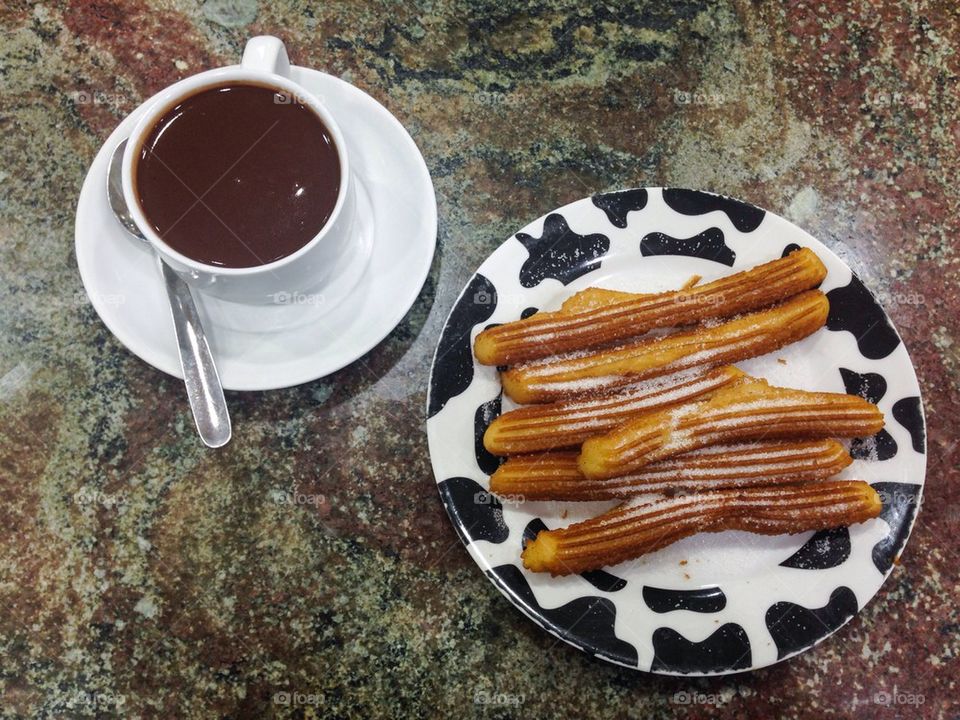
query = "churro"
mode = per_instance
[
  {"x": 592, "y": 298},
  {"x": 556, "y": 475},
  {"x": 568, "y": 423},
  {"x": 738, "y": 339},
  {"x": 748, "y": 410},
  {"x": 550, "y": 333},
  {"x": 636, "y": 528}
]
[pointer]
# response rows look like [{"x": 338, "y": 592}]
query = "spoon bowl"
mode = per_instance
[{"x": 115, "y": 193}]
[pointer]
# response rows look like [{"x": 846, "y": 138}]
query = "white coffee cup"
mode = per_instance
[{"x": 304, "y": 271}]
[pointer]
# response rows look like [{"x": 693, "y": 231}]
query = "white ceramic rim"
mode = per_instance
[{"x": 173, "y": 94}]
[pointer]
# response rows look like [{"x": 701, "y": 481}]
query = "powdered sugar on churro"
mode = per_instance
[
  {"x": 640, "y": 395},
  {"x": 742, "y": 412},
  {"x": 629, "y": 316},
  {"x": 752, "y": 500},
  {"x": 568, "y": 423},
  {"x": 580, "y": 386},
  {"x": 733, "y": 340}
]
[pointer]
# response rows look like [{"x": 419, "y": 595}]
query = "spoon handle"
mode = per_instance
[{"x": 199, "y": 371}]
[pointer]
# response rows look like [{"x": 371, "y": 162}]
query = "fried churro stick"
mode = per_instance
[
  {"x": 633, "y": 529},
  {"x": 749, "y": 410},
  {"x": 556, "y": 476},
  {"x": 567, "y": 424},
  {"x": 593, "y": 297},
  {"x": 738, "y": 339},
  {"x": 550, "y": 333}
]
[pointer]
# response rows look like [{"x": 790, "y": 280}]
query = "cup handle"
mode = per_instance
[{"x": 266, "y": 54}]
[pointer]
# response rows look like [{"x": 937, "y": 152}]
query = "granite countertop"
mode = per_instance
[{"x": 144, "y": 576}]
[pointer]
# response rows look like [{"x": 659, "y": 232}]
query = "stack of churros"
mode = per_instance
[{"x": 613, "y": 411}]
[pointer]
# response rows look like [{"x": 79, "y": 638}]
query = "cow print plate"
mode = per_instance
[{"x": 714, "y": 603}]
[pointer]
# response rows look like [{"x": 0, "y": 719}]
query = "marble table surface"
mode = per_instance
[{"x": 143, "y": 576}]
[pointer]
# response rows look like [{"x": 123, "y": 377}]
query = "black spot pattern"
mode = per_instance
[
  {"x": 794, "y": 627},
  {"x": 486, "y": 413},
  {"x": 825, "y": 549},
  {"x": 900, "y": 502},
  {"x": 908, "y": 413},
  {"x": 727, "y": 649},
  {"x": 745, "y": 217},
  {"x": 453, "y": 367},
  {"x": 789, "y": 249},
  {"x": 600, "y": 579},
  {"x": 560, "y": 253},
  {"x": 533, "y": 528},
  {"x": 701, "y": 600},
  {"x": 879, "y": 447},
  {"x": 870, "y": 386},
  {"x": 586, "y": 617},
  {"x": 854, "y": 309},
  {"x": 708, "y": 245},
  {"x": 527, "y": 312},
  {"x": 476, "y": 513},
  {"x": 616, "y": 205}
]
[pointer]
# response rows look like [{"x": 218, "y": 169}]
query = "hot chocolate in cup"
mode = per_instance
[{"x": 239, "y": 179}]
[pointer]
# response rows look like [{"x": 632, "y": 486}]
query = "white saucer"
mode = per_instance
[{"x": 263, "y": 348}]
